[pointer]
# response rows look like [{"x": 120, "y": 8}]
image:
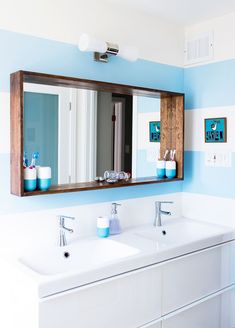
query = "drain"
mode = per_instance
[
  {"x": 66, "y": 254},
  {"x": 164, "y": 232}
]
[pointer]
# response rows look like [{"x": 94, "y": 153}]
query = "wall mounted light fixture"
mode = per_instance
[{"x": 102, "y": 50}]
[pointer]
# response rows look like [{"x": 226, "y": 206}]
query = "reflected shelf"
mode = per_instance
[{"x": 93, "y": 185}]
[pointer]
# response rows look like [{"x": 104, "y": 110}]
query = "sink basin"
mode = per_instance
[
  {"x": 80, "y": 256},
  {"x": 179, "y": 232}
]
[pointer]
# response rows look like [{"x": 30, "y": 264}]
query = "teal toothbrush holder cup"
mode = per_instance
[
  {"x": 102, "y": 227},
  {"x": 44, "y": 177},
  {"x": 170, "y": 169},
  {"x": 161, "y": 168},
  {"x": 30, "y": 179}
]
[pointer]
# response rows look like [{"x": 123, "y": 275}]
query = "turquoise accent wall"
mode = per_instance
[
  {"x": 148, "y": 105},
  {"x": 210, "y": 85},
  {"x": 41, "y": 115},
  {"x": 25, "y": 52},
  {"x": 214, "y": 181}
]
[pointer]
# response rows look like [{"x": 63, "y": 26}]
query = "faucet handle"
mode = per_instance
[{"x": 164, "y": 202}]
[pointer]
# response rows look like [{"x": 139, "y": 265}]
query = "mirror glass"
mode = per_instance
[{"x": 82, "y": 133}]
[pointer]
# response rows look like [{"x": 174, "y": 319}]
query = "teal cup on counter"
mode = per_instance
[
  {"x": 44, "y": 177},
  {"x": 30, "y": 179},
  {"x": 170, "y": 169},
  {"x": 161, "y": 170},
  {"x": 102, "y": 228}
]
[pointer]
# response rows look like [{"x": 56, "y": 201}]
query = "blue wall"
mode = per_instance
[{"x": 23, "y": 52}]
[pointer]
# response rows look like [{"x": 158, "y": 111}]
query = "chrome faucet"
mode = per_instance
[
  {"x": 158, "y": 213},
  {"x": 63, "y": 229}
]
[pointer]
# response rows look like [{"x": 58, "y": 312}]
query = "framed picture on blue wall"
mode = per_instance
[
  {"x": 216, "y": 130},
  {"x": 154, "y": 131}
]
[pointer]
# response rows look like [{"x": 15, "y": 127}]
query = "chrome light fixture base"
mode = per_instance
[{"x": 112, "y": 49}]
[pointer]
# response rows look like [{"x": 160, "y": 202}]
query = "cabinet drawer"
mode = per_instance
[
  {"x": 217, "y": 312},
  {"x": 126, "y": 301},
  {"x": 152, "y": 325},
  {"x": 197, "y": 275}
]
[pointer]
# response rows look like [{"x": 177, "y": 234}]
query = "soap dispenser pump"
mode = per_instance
[{"x": 114, "y": 223}]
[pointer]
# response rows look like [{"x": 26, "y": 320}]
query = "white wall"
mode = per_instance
[
  {"x": 209, "y": 209},
  {"x": 224, "y": 34},
  {"x": 65, "y": 20}
]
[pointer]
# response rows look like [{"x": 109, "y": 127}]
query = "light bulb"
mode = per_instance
[
  {"x": 128, "y": 52},
  {"x": 88, "y": 43}
]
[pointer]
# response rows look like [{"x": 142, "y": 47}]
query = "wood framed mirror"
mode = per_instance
[{"x": 82, "y": 128}]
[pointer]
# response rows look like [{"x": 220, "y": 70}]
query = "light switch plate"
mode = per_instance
[{"x": 218, "y": 159}]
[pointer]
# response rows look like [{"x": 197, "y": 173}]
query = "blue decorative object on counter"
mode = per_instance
[
  {"x": 102, "y": 227},
  {"x": 44, "y": 177},
  {"x": 170, "y": 169},
  {"x": 30, "y": 179}
]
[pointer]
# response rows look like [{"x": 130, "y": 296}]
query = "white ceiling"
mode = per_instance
[{"x": 184, "y": 12}]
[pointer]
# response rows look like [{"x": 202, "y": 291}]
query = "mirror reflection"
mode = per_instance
[{"x": 82, "y": 133}]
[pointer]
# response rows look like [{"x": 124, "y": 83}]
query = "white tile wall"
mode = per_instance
[{"x": 209, "y": 208}]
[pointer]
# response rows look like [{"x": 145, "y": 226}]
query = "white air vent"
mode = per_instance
[{"x": 199, "y": 49}]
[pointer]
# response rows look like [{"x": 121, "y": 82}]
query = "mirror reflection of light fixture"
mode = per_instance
[{"x": 102, "y": 50}]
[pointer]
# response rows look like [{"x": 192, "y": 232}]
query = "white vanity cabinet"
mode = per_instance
[
  {"x": 126, "y": 301},
  {"x": 196, "y": 290},
  {"x": 215, "y": 312},
  {"x": 197, "y": 275}
]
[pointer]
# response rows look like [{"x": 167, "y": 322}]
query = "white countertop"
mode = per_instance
[{"x": 150, "y": 252}]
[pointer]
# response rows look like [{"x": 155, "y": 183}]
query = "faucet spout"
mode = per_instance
[
  {"x": 63, "y": 229},
  {"x": 159, "y": 212}
]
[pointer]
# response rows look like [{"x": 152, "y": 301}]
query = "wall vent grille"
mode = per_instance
[{"x": 199, "y": 49}]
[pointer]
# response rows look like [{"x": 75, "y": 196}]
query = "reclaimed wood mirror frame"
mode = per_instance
[{"x": 172, "y": 128}]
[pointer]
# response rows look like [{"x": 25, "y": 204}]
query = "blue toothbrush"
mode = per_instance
[
  {"x": 35, "y": 156},
  {"x": 25, "y": 160}
]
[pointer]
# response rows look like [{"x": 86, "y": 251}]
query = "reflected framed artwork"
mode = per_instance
[{"x": 154, "y": 131}]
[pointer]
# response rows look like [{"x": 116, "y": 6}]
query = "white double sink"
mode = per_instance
[{"x": 94, "y": 259}]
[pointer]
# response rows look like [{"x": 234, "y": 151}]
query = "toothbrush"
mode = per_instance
[
  {"x": 165, "y": 155},
  {"x": 172, "y": 156},
  {"x": 25, "y": 160},
  {"x": 35, "y": 156}
]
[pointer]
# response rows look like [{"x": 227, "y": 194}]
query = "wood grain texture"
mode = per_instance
[
  {"x": 16, "y": 126},
  {"x": 172, "y": 129},
  {"x": 172, "y": 120},
  {"x": 57, "y": 80},
  {"x": 74, "y": 187}
]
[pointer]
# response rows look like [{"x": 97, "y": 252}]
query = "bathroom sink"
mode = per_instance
[
  {"x": 80, "y": 256},
  {"x": 179, "y": 231}
]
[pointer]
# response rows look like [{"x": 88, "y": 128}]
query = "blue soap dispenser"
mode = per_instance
[{"x": 114, "y": 223}]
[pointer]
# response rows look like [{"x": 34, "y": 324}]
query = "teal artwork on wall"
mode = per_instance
[
  {"x": 154, "y": 131},
  {"x": 216, "y": 130}
]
